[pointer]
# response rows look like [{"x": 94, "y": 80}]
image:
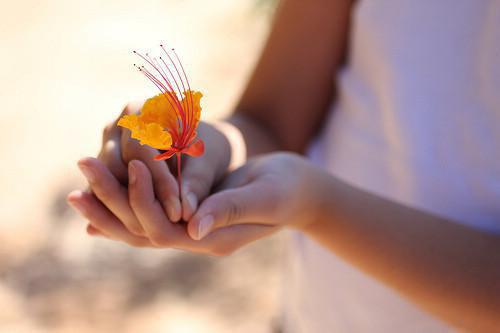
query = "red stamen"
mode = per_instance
[
  {"x": 165, "y": 82},
  {"x": 186, "y": 129},
  {"x": 189, "y": 87},
  {"x": 179, "y": 115},
  {"x": 170, "y": 92},
  {"x": 179, "y": 175},
  {"x": 175, "y": 81}
]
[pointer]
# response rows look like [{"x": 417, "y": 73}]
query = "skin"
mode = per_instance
[{"x": 449, "y": 270}]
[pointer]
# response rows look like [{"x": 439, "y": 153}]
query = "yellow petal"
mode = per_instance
[
  {"x": 191, "y": 101},
  {"x": 133, "y": 123},
  {"x": 160, "y": 109},
  {"x": 151, "y": 134},
  {"x": 154, "y": 136}
]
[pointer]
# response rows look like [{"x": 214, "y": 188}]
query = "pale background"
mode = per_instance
[{"x": 66, "y": 70}]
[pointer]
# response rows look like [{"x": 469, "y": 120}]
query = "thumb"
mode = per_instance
[{"x": 255, "y": 203}]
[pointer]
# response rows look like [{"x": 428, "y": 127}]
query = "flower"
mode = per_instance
[{"x": 167, "y": 121}]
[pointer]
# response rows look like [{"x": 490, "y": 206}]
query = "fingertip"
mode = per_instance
[
  {"x": 132, "y": 173},
  {"x": 189, "y": 205},
  {"x": 74, "y": 199},
  {"x": 173, "y": 209},
  {"x": 205, "y": 226},
  {"x": 86, "y": 161},
  {"x": 192, "y": 229},
  {"x": 200, "y": 226},
  {"x": 74, "y": 196},
  {"x": 138, "y": 165},
  {"x": 92, "y": 231}
]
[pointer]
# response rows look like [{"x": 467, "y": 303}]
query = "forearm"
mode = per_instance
[
  {"x": 450, "y": 270},
  {"x": 290, "y": 89},
  {"x": 257, "y": 137},
  {"x": 245, "y": 138}
]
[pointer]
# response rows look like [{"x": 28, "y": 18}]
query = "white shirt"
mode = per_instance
[{"x": 417, "y": 121}]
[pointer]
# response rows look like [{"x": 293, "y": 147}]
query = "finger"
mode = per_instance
[
  {"x": 165, "y": 184},
  {"x": 110, "y": 192},
  {"x": 225, "y": 241},
  {"x": 110, "y": 153},
  {"x": 197, "y": 180},
  {"x": 254, "y": 203},
  {"x": 102, "y": 219},
  {"x": 149, "y": 212},
  {"x": 164, "y": 234},
  {"x": 93, "y": 231}
]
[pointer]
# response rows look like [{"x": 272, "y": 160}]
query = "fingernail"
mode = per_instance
[
  {"x": 131, "y": 174},
  {"x": 192, "y": 201},
  {"x": 78, "y": 206},
  {"x": 92, "y": 231},
  {"x": 87, "y": 172},
  {"x": 174, "y": 209},
  {"x": 205, "y": 226}
]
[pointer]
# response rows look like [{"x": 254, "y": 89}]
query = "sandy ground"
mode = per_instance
[{"x": 66, "y": 71}]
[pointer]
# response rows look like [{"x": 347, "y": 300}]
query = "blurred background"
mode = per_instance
[{"x": 66, "y": 70}]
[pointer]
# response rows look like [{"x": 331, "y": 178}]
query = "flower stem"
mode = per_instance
[{"x": 179, "y": 176}]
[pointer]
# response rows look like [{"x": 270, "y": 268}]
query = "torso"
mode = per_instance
[{"x": 417, "y": 120}]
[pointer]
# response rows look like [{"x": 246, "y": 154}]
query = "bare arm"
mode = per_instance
[
  {"x": 447, "y": 268},
  {"x": 293, "y": 82}
]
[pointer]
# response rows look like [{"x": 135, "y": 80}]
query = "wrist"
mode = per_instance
[
  {"x": 235, "y": 143},
  {"x": 321, "y": 194}
]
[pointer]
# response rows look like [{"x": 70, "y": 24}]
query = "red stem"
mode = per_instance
[{"x": 179, "y": 176}]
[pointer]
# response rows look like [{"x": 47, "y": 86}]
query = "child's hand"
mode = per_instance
[
  {"x": 279, "y": 189},
  {"x": 199, "y": 174},
  {"x": 118, "y": 207}
]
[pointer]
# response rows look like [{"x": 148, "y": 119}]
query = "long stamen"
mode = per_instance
[
  {"x": 164, "y": 92},
  {"x": 187, "y": 128},
  {"x": 189, "y": 87},
  {"x": 179, "y": 117},
  {"x": 175, "y": 82},
  {"x": 157, "y": 66},
  {"x": 149, "y": 61}
]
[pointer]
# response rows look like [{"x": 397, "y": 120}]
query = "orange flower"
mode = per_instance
[{"x": 167, "y": 121}]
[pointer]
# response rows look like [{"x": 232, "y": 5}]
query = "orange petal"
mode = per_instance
[
  {"x": 191, "y": 103},
  {"x": 154, "y": 136},
  {"x": 165, "y": 156},
  {"x": 160, "y": 109},
  {"x": 196, "y": 149}
]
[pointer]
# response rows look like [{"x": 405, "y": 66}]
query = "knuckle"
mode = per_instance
[
  {"x": 137, "y": 242},
  {"x": 222, "y": 251},
  {"x": 159, "y": 239},
  {"x": 106, "y": 132},
  {"x": 130, "y": 149},
  {"x": 200, "y": 182},
  {"x": 234, "y": 211},
  {"x": 136, "y": 230},
  {"x": 102, "y": 192}
]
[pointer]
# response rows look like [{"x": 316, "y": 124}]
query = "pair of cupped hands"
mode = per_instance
[{"x": 134, "y": 199}]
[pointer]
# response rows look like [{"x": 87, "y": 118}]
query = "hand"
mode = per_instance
[
  {"x": 198, "y": 174},
  {"x": 280, "y": 189},
  {"x": 139, "y": 206}
]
